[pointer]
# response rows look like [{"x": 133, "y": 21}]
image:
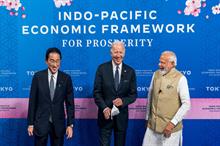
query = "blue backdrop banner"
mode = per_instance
[{"x": 84, "y": 32}]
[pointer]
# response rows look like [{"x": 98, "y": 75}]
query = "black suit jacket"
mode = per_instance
[
  {"x": 41, "y": 106},
  {"x": 105, "y": 92}
]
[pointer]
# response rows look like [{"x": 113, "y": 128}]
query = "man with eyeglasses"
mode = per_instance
[{"x": 50, "y": 89}]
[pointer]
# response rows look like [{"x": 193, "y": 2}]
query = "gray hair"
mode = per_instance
[
  {"x": 172, "y": 57},
  {"x": 117, "y": 42}
]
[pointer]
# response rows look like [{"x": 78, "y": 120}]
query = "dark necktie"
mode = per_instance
[
  {"x": 116, "y": 77},
  {"x": 51, "y": 87}
]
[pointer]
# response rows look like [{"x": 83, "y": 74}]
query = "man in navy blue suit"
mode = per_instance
[
  {"x": 50, "y": 89},
  {"x": 114, "y": 89}
]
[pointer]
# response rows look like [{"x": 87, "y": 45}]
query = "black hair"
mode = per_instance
[{"x": 53, "y": 50}]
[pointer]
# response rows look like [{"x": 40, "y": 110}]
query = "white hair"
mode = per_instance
[
  {"x": 117, "y": 42},
  {"x": 172, "y": 57}
]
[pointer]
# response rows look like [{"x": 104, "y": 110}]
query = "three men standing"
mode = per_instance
[{"x": 114, "y": 89}]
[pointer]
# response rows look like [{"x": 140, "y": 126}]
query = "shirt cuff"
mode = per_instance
[
  {"x": 71, "y": 125},
  {"x": 146, "y": 118},
  {"x": 174, "y": 121}
]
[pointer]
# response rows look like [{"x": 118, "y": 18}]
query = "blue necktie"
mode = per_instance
[{"x": 116, "y": 77}]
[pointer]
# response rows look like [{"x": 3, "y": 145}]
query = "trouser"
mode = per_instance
[
  {"x": 54, "y": 140},
  {"x": 152, "y": 138}
]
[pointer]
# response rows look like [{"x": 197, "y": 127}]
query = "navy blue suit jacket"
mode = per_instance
[
  {"x": 41, "y": 106},
  {"x": 104, "y": 92}
]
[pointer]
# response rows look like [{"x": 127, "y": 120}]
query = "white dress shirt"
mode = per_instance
[
  {"x": 114, "y": 66},
  {"x": 54, "y": 78}
]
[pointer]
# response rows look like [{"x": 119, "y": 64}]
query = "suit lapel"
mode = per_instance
[
  {"x": 46, "y": 83},
  {"x": 58, "y": 84},
  {"x": 111, "y": 75},
  {"x": 123, "y": 72}
]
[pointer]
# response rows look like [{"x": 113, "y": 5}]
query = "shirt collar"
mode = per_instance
[
  {"x": 114, "y": 65},
  {"x": 54, "y": 75}
]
